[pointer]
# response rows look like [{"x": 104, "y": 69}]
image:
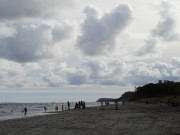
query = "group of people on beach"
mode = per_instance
[
  {"x": 62, "y": 106},
  {"x": 80, "y": 104}
]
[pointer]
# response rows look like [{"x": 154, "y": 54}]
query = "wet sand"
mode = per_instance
[{"x": 129, "y": 119}]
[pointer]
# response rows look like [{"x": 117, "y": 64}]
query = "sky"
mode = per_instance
[{"x": 59, "y": 50}]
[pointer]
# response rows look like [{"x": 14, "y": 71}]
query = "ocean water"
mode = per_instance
[{"x": 15, "y": 110}]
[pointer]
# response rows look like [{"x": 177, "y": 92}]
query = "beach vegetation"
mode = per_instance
[{"x": 151, "y": 93}]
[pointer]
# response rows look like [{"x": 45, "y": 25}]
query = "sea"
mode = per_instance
[{"x": 16, "y": 110}]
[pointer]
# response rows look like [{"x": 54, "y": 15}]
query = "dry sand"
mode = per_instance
[{"x": 130, "y": 119}]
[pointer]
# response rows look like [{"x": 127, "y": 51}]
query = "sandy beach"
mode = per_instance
[{"x": 129, "y": 119}]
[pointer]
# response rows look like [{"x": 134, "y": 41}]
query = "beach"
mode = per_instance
[{"x": 129, "y": 119}]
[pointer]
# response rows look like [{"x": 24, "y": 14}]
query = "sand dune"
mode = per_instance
[{"x": 130, "y": 119}]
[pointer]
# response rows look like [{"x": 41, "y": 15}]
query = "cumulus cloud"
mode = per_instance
[
  {"x": 148, "y": 47},
  {"x": 31, "y": 42},
  {"x": 176, "y": 62},
  {"x": 121, "y": 73},
  {"x": 77, "y": 78},
  {"x": 94, "y": 68},
  {"x": 6, "y": 31},
  {"x": 176, "y": 73},
  {"x": 142, "y": 73},
  {"x": 31, "y": 8},
  {"x": 165, "y": 31},
  {"x": 11, "y": 74},
  {"x": 106, "y": 72},
  {"x": 61, "y": 31},
  {"x": 176, "y": 67},
  {"x": 52, "y": 80},
  {"x": 166, "y": 28},
  {"x": 164, "y": 69},
  {"x": 22, "y": 44},
  {"x": 98, "y": 34}
]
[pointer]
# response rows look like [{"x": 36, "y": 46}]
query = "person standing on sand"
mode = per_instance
[
  {"x": 68, "y": 105},
  {"x": 76, "y": 105},
  {"x": 83, "y": 105},
  {"x": 62, "y": 107},
  {"x": 56, "y": 108},
  {"x": 79, "y": 105},
  {"x": 116, "y": 105}
]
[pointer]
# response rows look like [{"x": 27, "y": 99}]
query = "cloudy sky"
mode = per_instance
[{"x": 59, "y": 50}]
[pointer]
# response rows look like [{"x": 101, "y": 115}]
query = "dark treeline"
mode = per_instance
[{"x": 161, "y": 89}]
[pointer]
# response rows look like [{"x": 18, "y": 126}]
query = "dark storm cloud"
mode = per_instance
[
  {"x": 13, "y": 9},
  {"x": 98, "y": 34}
]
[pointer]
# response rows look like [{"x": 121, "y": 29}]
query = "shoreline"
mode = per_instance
[
  {"x": 11, "y": 111},
  {"x": 131, "y": 118},
  {"x": 41, "y": 114}
]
